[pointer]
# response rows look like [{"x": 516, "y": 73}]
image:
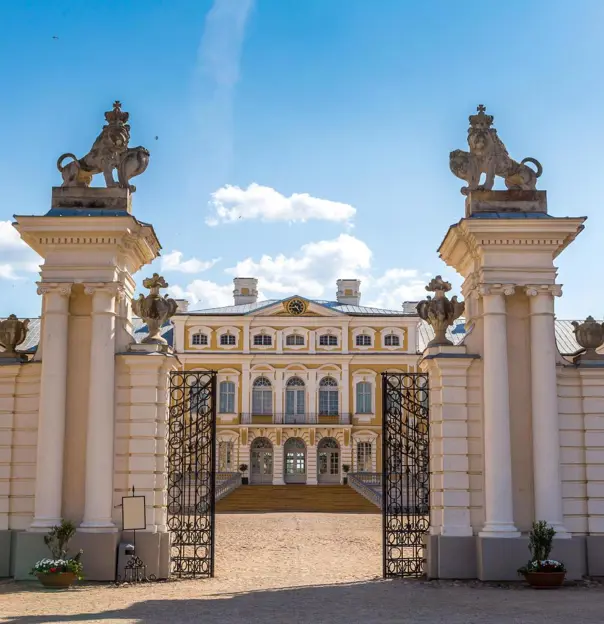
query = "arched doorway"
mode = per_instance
[
  {"x": 295, "y": 461},
  {"x": 294, "y": 400},
  {"x": 328, "y": 461},
  {"x": 261, "y": 455}
]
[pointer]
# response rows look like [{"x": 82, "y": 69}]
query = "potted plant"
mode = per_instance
[
  {"x": 542, "y": 572},
  {"x": 61, "y": 571},
  {"x": 242, "y": 470},
  {"x": 345, "y": 470}
]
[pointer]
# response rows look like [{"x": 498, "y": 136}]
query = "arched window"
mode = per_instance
[
  {"x": 227, "y": 397},
  {"x": 363, "y": 340},
  {"x": 363, "y": 456},
  {"x": 294, "y": 340},
  {"x": 263, "y": 340},
  {"x": 364, "y": 398},
  {"x": 392, "y": 340},
  {"x": 328, "y": 397},
  {"x": 262, "y": 396},
  {"x": 328, "y": 340},
  {"x": 228, "y": 339},
  {"x": 295, "y": 393},
  {"x": 200, "y": 339}
]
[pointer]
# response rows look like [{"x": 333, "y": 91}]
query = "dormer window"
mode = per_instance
[
  {"x": 294, "y": 340},
  {"x": 228, "y": 340},
  {"x": 392, "y": 341},
  {"x": 199, "y": 339},
  {"x": 263, "y": 340},
  {"x": 327, "y": 340},
  {"x": 363, "y": 340}
]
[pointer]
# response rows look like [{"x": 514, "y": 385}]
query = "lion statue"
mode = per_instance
[
  {"x": 488, "y": 155},
  {"x": 109, "y": 151}
]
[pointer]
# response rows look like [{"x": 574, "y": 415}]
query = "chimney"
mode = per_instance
[
  {"x": 183, "y": 305},
  {"x": 245, "y": 290},
  {"x": 410, "y": 307},
  {"x": 349, "y": 291}
]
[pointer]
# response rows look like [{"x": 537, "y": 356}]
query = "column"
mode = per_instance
[
  {"x": 544, "y": 390},
  {"x": 312, "y": 408},
  {"x": 278, "y": 411},
  {"x": 246, "y": 338},
  {"x": 312, "y": 341},
  {"x": 245, "y": 388},
  {"x": 51, "y": 418},
  {"x": 101, "y": 406},
  {"x": 499, "y": 510},
  {"x": 345, "y": 410},
  {"x": 311, "y": 461},
  {"x": 278, "y": 464}
]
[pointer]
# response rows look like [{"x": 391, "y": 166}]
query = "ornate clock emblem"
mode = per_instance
[{"x": 296, "y": 306}]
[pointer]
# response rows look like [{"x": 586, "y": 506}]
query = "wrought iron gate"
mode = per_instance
[
  {"x": 405, "y": 472},
  {"x": 191, "y": 472}
]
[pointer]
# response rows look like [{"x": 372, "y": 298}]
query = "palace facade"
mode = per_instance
[{"x": 299, "y": 388}]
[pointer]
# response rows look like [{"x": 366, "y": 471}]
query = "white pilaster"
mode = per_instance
[
  {"x": 246, "y": 338},
  {"x": 245, "y": 386},
  {"x": 311, "y": 464},
  {"x": 412, "y": 338},
  {"x": 312, "y": 341},
  {"x": 51, "y": 419},
  {"x": 312, "y": 408},
  {"x": 345, "y": 388},
  {"x": 499, "y": 512},
  {"x": 278, "y": 415},
  {"x": 345, "y": 339},
  {"x": 278, "y": 464},
  {"x": 546, "y": 437},
  {"x": 279, "y": 341},
  {"x": 101, "y": 406}
]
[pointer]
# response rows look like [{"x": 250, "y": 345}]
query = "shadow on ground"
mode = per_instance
[{"x": 382, "y": 602}]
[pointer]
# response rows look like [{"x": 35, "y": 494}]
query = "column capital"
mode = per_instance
[
  {"x": 60, "y": 288},
  {"x": 116, "y": 289},
  {"x": 553, "y": 290},
  {"x": 484, "y": 290}
]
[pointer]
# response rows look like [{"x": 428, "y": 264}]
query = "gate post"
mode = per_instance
[{"x": 451, "y": 548}]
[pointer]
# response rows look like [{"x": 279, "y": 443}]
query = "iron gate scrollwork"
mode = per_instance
[
  {"x": 405, "y": 472},
  {"x": 191, "y": 472}
]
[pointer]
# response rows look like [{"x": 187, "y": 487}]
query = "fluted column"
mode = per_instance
[
  {"x": 499, "y": 510},
  {"x": 546, "y": 437},
  {"x": 51, "y": 419},
  {"x": 101, "y": 406}
]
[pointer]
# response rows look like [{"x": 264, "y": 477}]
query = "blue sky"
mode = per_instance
[{"x": 300, "y": 142}]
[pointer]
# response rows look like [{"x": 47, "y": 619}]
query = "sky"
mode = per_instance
[{"x": 303, "y": 141}]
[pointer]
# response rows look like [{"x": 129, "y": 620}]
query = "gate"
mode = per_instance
[
  {"x": 191, "y": 472},
  {"x": 405, "y": 472}
]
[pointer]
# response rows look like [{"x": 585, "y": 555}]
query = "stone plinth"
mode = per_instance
[
  {"x": 506, "y": 201},
  {"x": 90, "y": 199}
]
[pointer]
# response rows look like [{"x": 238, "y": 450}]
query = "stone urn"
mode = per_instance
[
  {"x": 590, "y": 336},
  {"x": 154, "y": 309},
  {"x": 439, "y": 313},
  {"x": 12, "y": 333}
]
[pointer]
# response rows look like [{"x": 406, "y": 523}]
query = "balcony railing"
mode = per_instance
[{"x": 340, "y": 418}]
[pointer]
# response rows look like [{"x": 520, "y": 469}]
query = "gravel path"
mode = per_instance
[{"x": 299, "y": 568}]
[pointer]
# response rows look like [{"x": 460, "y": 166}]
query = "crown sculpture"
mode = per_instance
[
  {"x": 439, "y": 312},
  {"x": 13, "y": 333},
  {"x": 488, "y": 155},
  {"x": 110, "y": 151},
  {"x": 154, "y": 309},
  {"x": 590, "y": 336}
]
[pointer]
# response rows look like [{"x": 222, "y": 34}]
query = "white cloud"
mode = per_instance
[
  {"x": 15, "y": 256},
  {"x": 232, "y": 203},
  {"x": 173, "y": 262},
  {"x": 206, "y": 293},
  {"x": 312, "y": 270}
]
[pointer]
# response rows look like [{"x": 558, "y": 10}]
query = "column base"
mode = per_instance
[
  {"x": 98, "y": 526},
  {"x": 6, "y": 537},
  {"x": 100, "y": 554},
  {"x": 43, "y": 525},
  {"x": 451, "y": 557},
  {"x": 496, "y": 529}
]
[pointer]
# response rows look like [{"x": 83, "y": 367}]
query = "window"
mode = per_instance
[
  {"x": 228, "y": 339},
  {"x": 225, "y": 456},
  {"x": 327, "y": 340},
  {"x": 262, "y": 396},
  {"x": 200, "y": 339},
  {"x": 392, "y": 341},
  {"x": 364, "y": 397},
  {"x": 364, "y": 457},
  {"x": 294, "y": 398},
  {"x": 328, "y": 397},
  {"x": 363, "y": 340},
  {"x": 263, "y": 340},
  {"x": 294, "y": 339},
  {"x": 227, "y": 397}
]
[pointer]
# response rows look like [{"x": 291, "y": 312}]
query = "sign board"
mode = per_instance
[{"x": 134, "y": 516}]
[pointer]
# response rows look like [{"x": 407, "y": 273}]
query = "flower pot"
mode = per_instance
[
  {"x": 545, "y": 580},
  {"x": 62, "y": 580},
  {"x": 345, "y": 481},
  {"x": 244, "y": 481}
]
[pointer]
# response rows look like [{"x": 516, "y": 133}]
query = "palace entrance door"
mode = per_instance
[
  {"x": 295, "y": 461},
  {"x": 328, "y": 461},
  {"x": 262, "y": 462}
]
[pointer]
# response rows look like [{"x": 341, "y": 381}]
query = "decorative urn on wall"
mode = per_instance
[
  {"x": 439, "y": 313},
  {"x": 13, "y": 333},
  {"x": 590, "y": 336},
  {"x": 154, "y": 309}
]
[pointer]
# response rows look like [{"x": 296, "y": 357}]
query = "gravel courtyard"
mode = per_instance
[{"x": 298, "y": 568}]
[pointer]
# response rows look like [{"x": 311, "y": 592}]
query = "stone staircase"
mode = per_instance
[{"x": 295, "y": 498}]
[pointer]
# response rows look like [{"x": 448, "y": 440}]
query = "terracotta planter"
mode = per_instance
[
  {"x": 545, "y": 580},
  {"x": 57, "y": 581}
]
